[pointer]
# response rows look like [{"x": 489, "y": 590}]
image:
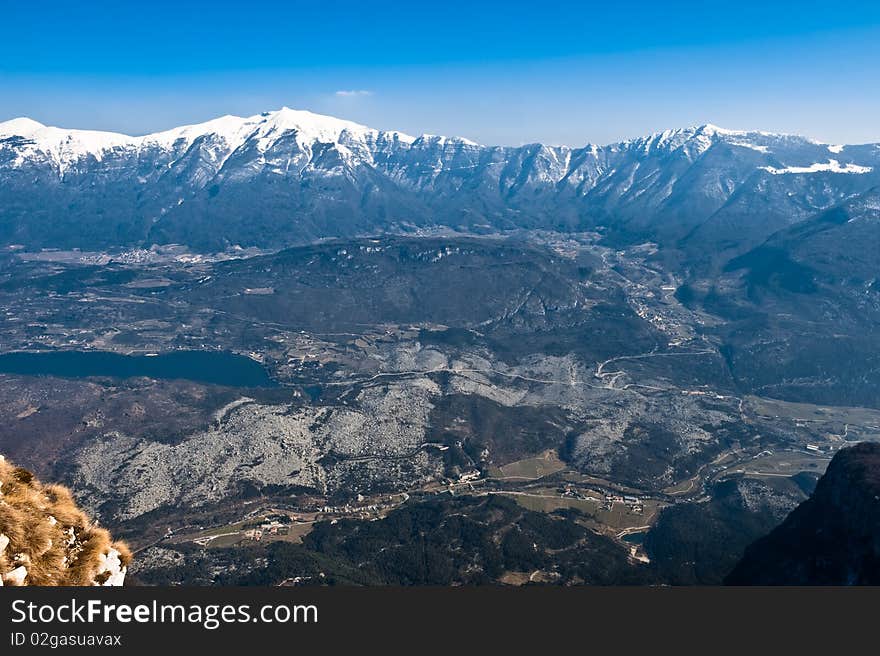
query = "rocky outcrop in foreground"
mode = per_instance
[
  {"x": 45, "y": 539},
  {"x": 832, "y": 538}
]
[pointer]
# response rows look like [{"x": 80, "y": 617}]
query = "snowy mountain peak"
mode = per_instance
[
  {"x": 19, "y": 127},
  {"x": 711, "y": 129},
  {"x": 320, "y": 127},
  {"x": 301, "y": 119},
  {"x": 695, "y": 140},
  {"x": 63, "y": 146}
]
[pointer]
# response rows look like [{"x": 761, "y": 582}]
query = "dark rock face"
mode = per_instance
[
  {"x": 833, "y": 538},
  {"x": 697, "y": 543}
]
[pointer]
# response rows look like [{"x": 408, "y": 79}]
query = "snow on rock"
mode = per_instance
[
  {"x": 751, "y": 146},
  {"x": 110, "y": 569},
  {"x": 16, "y": 576}
]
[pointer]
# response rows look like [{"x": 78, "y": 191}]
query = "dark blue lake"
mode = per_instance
[{"x": 211, "y": 367}]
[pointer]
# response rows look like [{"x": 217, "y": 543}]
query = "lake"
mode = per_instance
[{"x": 211, "y": 367}]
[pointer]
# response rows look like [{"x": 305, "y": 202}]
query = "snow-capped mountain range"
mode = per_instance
[{"x": 290, "y": 176}]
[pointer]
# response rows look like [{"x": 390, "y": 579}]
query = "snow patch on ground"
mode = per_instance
[
  {"x": 831, "y": 166},
  {"x": 750, "y": 146}
]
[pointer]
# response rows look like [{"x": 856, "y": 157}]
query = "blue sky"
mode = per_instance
[{"x": 512, "y": 72}]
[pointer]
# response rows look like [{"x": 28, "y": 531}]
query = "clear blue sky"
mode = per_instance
[{"x": 497, "y": 72}]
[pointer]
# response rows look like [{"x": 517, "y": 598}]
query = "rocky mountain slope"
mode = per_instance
[
  {"x": 833, "y": 538},
  {"x": 809, "y": 288},
  {"x": 288, "y": 177}
]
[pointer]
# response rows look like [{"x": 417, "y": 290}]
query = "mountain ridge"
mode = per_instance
[
  {"x": 24, "y": 126},
  {"x": 299, "y": 176}
]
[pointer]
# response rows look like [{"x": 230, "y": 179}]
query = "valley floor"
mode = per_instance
[{"x": 557, "y": 378}]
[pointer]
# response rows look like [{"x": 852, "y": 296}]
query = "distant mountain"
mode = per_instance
[
  {"x": 288, "y": 177},
  {"x": 833, "y": 538}
]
